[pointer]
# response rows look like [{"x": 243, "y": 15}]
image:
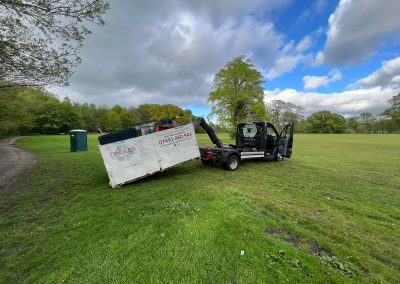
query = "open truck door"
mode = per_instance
[{"x": 286, "y": 140}]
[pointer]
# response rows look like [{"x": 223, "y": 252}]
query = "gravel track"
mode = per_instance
[{"x": 13, "y": 161}]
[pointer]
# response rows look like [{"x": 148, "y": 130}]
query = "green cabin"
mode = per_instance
[{"x": 78, "y": 138}]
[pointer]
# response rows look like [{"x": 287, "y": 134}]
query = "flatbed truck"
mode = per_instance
[{"x": 254, "y": 140}]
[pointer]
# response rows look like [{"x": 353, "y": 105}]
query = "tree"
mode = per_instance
[
  {"x": 326, "y": 122},
  {"x": 394, "y": 110},
  {"x": 112, "y": 121},
  {"x": 185, "y": 117},
  {"x": 40, "y": 39},
  {"x": 128, "y": 117},
  {"x": 144, "y": 112},
  {"x": 88, "y": 114},
  {"x": 395, "y": 102},
  {"x": 14, "y": 117},
  {"x": 70, "y": 117},
  {"x": 384, "y": 123},
  {"x": 238, "y": 93},
  {"x": 352, "y": 124},
  {"x": 20, "y": 108},
  {"x": 48, "y": 120},
  {"x": 158, "y": 112},
  {"x": 366, "y": 120},
  {"x": 283, "y": 112},
  {"x": 147, "y": 112},
  {"x": 101, "y": 115},
  {"x": 165, "y": 111}
]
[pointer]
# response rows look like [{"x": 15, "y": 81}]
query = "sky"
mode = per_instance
[{"x": 336, "y": 55}]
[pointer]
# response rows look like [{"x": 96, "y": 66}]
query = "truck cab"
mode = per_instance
[
  {"x": 254, "y": 140},
  {"x": 263, "y": 137}
]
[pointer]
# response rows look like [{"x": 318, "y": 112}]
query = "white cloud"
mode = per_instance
[
  {"x": 314, "y": 82},
  {"x": 357, "y": 27},
  {"x": 348, "y": 102},
  {"x": 166, "y": 51},
  {"x": 335, "y": 75},
  {"x": 395, "y": 79},
  {"x": 316, "y": 8},
  {"x": 387, "y": 75},
  {"x": 304, "y": 44},
  {"x": 290, "y": 57},
  {"x": 320, "y": 6},
  {"x": 283, "y": 65}
]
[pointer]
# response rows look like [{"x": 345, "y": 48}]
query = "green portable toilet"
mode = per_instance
[{"x": 78, "y": 138}]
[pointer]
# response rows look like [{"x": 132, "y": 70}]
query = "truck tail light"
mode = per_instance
[{"x": 210, "y": 156}]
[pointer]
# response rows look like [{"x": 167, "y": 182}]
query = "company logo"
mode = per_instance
[
  {"x": 123, "y": 152},
  {"x": 249, "y": 131}
]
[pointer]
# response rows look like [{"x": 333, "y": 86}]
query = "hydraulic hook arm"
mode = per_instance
[{"x": 203, "y": 123}]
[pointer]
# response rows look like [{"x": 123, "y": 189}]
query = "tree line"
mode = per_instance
[
  {"x": 327, "y": 122},
  {"x": 27, "y": 110}
]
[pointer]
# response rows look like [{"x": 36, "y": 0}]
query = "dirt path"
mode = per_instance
[{"x": 13, "y": 161}]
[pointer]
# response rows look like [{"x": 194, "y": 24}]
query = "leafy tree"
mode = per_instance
[
  {"x": 185, "y": 117},
  {"x": 40, "y": 39},
  {"x": 283, "y": 112},
  {"x": 394, "y": 110},
  {"x": 112, "y": 121},
  {"x": 128, "y": 117},
  {"x": 14, "y": 118},
  {"x": 144, "y": 112},
  {"x": 88, "y": 113},
  {"x": 165, "y": 111},
  {"x": 48, "y": 119},
  {"x": 352, "y": 124},
  {"x": 384, "y": 124},
  {"x": 238, "y": 93},
  {"x": 395, "y": 104},
  {"x": 366, "y": 120},
  {"x": 326, "y": 122},
  {"x": 101, "y": 115},
  {"x": 19, "y": 108},
  {"x": 70, "y": 117},
  {"x": 117, "y": 109},
  {"x": 301, "y": 126},
  {"x": 147, "y": 112}
]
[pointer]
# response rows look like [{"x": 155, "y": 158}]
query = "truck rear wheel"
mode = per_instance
[{"x": 232, "y": 163}]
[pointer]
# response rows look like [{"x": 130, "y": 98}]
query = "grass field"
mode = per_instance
[{"x": 331, "y": 213}]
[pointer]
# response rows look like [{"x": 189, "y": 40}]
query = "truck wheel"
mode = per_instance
[
  {"x": 232, "y": 163},
  {"x": 278, "y": 158}
]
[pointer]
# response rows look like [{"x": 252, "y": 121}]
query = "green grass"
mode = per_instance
[{"x": 331, "y": 213}]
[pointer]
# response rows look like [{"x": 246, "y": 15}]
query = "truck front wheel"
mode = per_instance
[
  {"x": 278, "y": 157},
  {"x": 232, "y": 163}
]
